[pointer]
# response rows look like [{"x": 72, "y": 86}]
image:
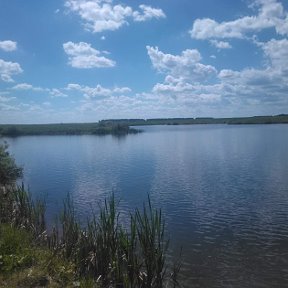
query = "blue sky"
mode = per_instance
[{"x": 87, "y": 60}]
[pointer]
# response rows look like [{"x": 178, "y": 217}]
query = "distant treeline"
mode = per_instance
[
  {"x": 120, "y": 127},
  {"x": 282, "y": 118},
  {"x": 66, "y": 129}
]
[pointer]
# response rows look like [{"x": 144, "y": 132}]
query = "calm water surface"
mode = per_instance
[{"x": 223, "y": 190}]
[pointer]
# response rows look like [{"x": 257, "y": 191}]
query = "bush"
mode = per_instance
[{"x": 9, "y": 171}]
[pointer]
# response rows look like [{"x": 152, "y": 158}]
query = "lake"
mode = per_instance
[{"x": 223, "y": 190}]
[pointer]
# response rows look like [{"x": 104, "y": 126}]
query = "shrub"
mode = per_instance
[{"x": 9, "y": 171}]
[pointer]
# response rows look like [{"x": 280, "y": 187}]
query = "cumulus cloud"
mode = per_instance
[
  {"x": 271, "y": 14},
  {"x": 186, "y": 65},
  {"x": 53, "y": 92},
  {"x": 101, "y": 15},
  {"x": 147, "y": 13},
  {"x": 267, "y": 85},
  {"x": 254, "y": 87},
  {"x": 98, "y": 91},
  {"x": 187, "y": 92},
  {"x": 221, "y": 44},
  {"x": 8, "y": 45},
  {"x": 8, "y": 69},
  {"x": 249, "y": 86},
  {"x": 274, "y": 75},
  {"x": 183, "y": 75},
  {"x": 6, "y": 99},
  {"x": 57, "y": 93},
  {"x": 277, "y": 53},
  {"x": 22, "y": 86},
  {"x": 26, "y": 86},
  {"x": 82, "y": 55}
]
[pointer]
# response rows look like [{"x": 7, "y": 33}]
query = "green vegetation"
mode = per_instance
[
  {"x": 282, "y": 118},
  {"x": 103, "y": 253},
  {"x": 9, "y": 171},
  {"x": 66, "y": 129},
  {"x": 26, "y": 263},
  {"x": 119, "y": 127}
]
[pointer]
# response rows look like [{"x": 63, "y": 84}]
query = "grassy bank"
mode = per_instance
[{"x": 102, "y": 253}]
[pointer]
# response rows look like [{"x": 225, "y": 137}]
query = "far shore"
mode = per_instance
[{"x": 119, "y": 127}]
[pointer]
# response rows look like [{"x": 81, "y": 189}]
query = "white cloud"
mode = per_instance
[
  {"x": 8, "y": 69},
  {"x": 54, "y": 92},
  {"x": 266, "y": 88},
  {"x": 6, "y": 99},
  {"x": 121, "y": 90},
  {"x": 7, "y": 107},
  {"x": 267, "y": 85},
  {"x": 185, "y": 91},
  {"x": 186, "y": 65},
  {"x": 57, "y": 93},
  {"x": 271, "y": 14},
  {"x": 254, "y": 87},
  {"x": 98, "y": 91},
  {"x": 8, "y": 45},
  {"x": 277, "y": 53},
  {"x": 101, "y": 15},
  {"x": 26, "y": 86},
  {"x": 22, "y": 86},
  {"x": 148, "y": 13},
  {"x": 82, "y": 55},
  {"x": 183, "y": 74},
  {"x": 221, "y": 44},
  {"x": 73, "y": 86},
  {"x": 273, "y": 77}
]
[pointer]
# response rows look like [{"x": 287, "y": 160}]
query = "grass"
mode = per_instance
[
  {"x": 103, "y": 253},
  {"x": 23, "y": 263}
]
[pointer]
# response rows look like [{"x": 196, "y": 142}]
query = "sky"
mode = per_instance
[{"x": 87, "y": 60}]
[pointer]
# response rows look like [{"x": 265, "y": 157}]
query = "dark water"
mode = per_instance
[{"x": 223, "y": 190}]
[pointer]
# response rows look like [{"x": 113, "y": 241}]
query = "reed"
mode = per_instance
[
  {"x": 28, "y": 213},
  {"x": 103, "y": 250},
  {"x": 153, "y": 246},
  {"x": 19, "y": 210}
]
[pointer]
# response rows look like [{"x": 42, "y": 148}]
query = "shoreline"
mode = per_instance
[{"x": 122, "y": 127}]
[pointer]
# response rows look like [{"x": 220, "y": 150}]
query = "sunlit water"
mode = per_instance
[{"x": 223, "y": 190}]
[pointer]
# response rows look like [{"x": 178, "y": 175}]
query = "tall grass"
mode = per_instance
[
  {"x": 28, "y": 213},
  {"x": 103, "y": 249},
  {"x": 19, "y": 209}
]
